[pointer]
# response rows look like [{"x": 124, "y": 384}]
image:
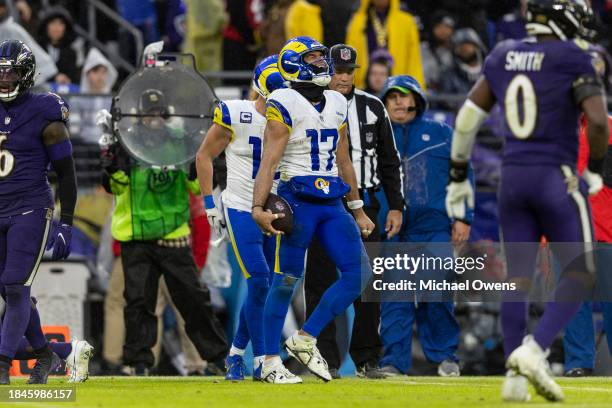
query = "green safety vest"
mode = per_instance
[{"x": 151, "y": 204}]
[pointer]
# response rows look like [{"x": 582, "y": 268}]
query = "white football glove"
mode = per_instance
[
  {"x": 594, "y": 181},
  {"x": 153, "y": 48},
  {"x": 106, "y": 140},
  {"x": 104, "y": 120},
  {"x": 457, "y": 193},
  {"x": 216, "y": 221}
]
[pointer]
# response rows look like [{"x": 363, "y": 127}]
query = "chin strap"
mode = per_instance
[
  {"x": 10, "y": 96},
  {"x": 310, "y": 91}
]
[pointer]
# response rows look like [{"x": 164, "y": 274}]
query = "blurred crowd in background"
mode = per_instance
[
  {"x": 443, "y": 42},
  {"x": 83, "y": 53}
]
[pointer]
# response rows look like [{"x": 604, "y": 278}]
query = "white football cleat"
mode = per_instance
[
  {"x": 278, "y": 374},
  {"x": 515, "y": 387},
  {"x": 304, "y": 349},
  {"x": 449, "y": 368},
  {"x": 78, "y": 361},
  {"x": 530, "y": 360}
]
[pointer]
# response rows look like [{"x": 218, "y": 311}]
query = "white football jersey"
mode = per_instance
[
  {"x": 313, "y": 135},
  {"x": 243, "y": 154}
]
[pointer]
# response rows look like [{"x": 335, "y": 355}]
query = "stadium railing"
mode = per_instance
[{"x": 85, "y": 134}]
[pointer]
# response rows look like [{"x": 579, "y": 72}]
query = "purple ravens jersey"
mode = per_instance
[
  {"x": 533, "y": 84},
  {"x": 23, "y": 157}
]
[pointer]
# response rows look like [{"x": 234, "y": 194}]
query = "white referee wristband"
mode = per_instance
[{"x": 355, "y": 205}]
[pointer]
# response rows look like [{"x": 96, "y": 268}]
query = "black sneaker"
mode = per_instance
[
  {"x": 371, "y": 371},
  {"x": 335, "y": 374},
  {"x": 45, "y": 363},
  {"x": 215, "y": 368},
  {"x": 4, "y": 373},
  {"x": 578, "y": 372},
  {"x": 140, "y": 370},
  {"x": 114, "y": 370}
]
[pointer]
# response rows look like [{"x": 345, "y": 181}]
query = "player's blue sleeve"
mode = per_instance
[
  {"x": 222, "y": 117},
  {"x": 344, "y": 123},
  {"x": 276, "y": 111}
]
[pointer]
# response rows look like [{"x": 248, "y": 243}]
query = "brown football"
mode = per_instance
[{"x": 278, "y": 205}]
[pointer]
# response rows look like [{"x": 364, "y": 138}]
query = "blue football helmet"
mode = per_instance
[
  {"x": 565, "y": 19},
  {"x": 17, "y": 68},
  {"x": 267, "y": 78},
  {"x": 293, "y": 68},
  {"x": 406, "y": 84}
]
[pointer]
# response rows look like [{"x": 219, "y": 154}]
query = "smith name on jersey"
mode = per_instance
[
  {"x": 24, "y": 161},
  {"x": 313, "y": 135},
  {"x": 535, "y": 84}
]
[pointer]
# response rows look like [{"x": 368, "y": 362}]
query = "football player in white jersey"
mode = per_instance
[
  {"x": 238, "y": 130},
  {"x": 306, "y": 138}
]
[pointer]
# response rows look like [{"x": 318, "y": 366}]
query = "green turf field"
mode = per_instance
[{"x": 171, "y": 392}]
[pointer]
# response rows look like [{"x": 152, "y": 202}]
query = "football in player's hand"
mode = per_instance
[{"x": 278, "y": 205}]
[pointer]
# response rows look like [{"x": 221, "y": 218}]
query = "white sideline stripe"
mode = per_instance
[
  {"x": 595, "y": 389},
  {"x": 40, "y": 254},
  {"x": 451, "y": 383},
  {"x": 454, "y": 382},
  {"x": 120, "y": 378},
  {"x": 29, "y": 404},
  {"x": 463, "y": 384},
  {"x": 585, "y": 221}
]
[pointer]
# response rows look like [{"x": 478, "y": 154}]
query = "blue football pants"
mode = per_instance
[
  {"x": 255, "y": 254},
  {"x": 437, "y": 328},
  {"x": 339, "y": 235}
]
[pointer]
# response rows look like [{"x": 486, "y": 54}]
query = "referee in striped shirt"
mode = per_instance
[{"x": 377, "y": 165}]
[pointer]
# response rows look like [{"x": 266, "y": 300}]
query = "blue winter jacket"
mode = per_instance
[{"x": 424, "y": 146}]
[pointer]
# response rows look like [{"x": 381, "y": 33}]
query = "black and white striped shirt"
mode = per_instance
[{"x": 372, "y": 147}]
